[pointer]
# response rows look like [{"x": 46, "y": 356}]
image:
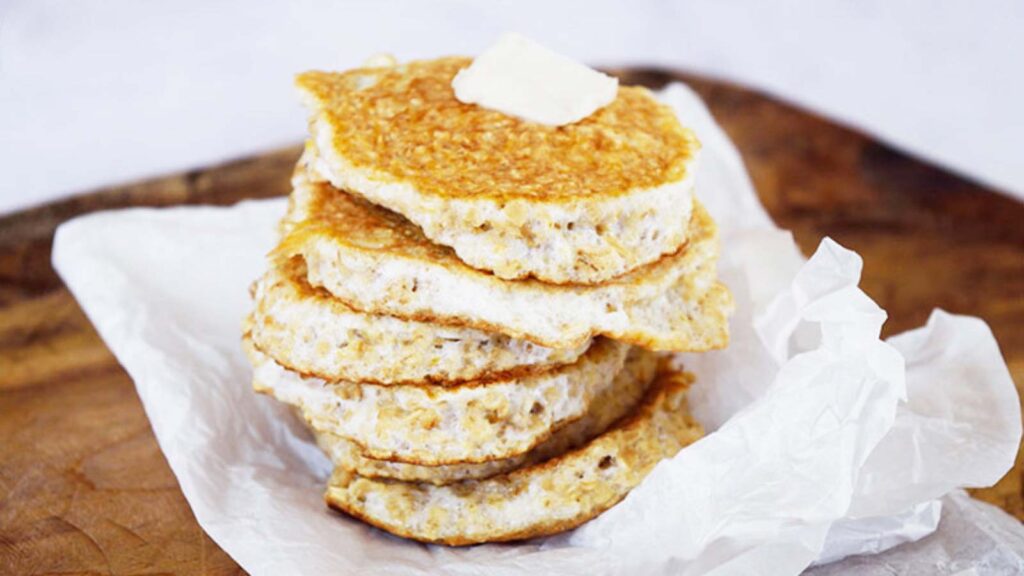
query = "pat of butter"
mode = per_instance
[{"x": 518, "y": 77}]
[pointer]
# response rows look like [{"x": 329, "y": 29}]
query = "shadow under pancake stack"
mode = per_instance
[{"x": 475, "y": 314}]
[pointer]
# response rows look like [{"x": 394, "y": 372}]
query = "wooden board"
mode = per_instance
[{"x": 84, "y": 488}]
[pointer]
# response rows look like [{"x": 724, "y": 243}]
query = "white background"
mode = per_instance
[{"x": 100, "y": 92}]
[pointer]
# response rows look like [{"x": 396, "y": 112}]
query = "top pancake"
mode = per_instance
[
  {"x": 580, "y": 203},
  {"x": 405, "y": 120}
]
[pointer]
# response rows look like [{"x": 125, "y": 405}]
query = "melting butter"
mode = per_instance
[{"x": 519, "y": 77}]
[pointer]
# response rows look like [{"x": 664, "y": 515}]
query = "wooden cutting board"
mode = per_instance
[{"x": 84, "y": 488}]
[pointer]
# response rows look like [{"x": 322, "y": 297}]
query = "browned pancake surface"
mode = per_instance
[{"x": 405, "y": 121}]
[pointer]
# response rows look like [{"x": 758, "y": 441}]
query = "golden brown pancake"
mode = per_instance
[
  {"x": 556, "y": 495},
  {"x": 581, "y": 203},
  {"x": 377, "y": 262}
]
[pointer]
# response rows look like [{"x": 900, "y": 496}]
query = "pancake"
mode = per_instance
[
  {"x": 377, "y": 262},
  {"x": 582, "y": 203},
  {"x": 434, "y": 425},
  {"x": 608, "y": 406},
  {"x": 538, "y": 500},
  {"x": 306, "y": 330}
]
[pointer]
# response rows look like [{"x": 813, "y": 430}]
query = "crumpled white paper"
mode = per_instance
[
  {"x": 973, "y": 539},
  {"x": 826, "y": 440}
]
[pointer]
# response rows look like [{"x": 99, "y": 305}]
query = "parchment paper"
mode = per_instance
[{"x": 826, "y": 441}]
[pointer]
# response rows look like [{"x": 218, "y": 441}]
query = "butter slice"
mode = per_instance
[{"x": 518, "y": 77}]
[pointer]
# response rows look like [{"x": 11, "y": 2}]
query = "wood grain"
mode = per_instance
[{"x": 84, "y": 488}]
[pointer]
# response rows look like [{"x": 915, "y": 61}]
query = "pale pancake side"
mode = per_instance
[
  {"x": 608, "y": 406},
  {"x": 306, "y": 330},
  {"x": 434, "y": 425}
]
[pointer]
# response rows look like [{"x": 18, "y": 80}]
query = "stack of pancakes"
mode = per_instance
[{"x": 471, "y": 311}]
